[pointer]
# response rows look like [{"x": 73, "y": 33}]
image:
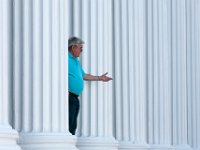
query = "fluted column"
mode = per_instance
[
  {"x": 117, "y": 70},
  {"x": 124, "y": 69},
  {"x": 140, "y": 71},
  {"x": 159, "y": 74},
  {"x": 198, "y": 70},
  {"x": 179, "y": 78},
  {"x": 84, "y": 127},
  {"x": 193, "y": 72},
  {"x": 95, "y": 124},
  {"x": 123, "y": 122},
  {"x": 8, "y": 136},
  {"x": 130, "y": 69},
  {"x": 41, "y": 105}
]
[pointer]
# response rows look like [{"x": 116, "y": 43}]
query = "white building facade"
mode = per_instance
[{"x": 151, "y": 48}]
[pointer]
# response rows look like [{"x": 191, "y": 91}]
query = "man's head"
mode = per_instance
[{"x": 75, "y": 46}]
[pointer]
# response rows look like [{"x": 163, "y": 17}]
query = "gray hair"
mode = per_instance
[{"x": 74, "y": 40}]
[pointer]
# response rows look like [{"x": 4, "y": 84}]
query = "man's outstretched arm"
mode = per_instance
[{"x": 104, "y": 77}]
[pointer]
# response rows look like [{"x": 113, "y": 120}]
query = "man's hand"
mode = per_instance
[{"x": 104, "y": 77}]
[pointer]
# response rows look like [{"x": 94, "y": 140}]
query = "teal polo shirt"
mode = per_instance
[{"x": 75, "y": 75}]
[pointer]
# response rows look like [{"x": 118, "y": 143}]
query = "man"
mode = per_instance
[{"x": 76, "y": 75}]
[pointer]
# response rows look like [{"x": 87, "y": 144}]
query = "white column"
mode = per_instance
[
  {"x": 140, "y": 78},
  {"x": 156, "y": 106},
  {"x": 193, "y": 80},
  {"x": 165, "y": 74},
  {"x": 41, "y": 98},
  {"x": 85, "y": 100},
  {"x": 131, "y": 72},
  {"x": 27, "y": 68},
  {"x": 18, "y": 63},
  {"x": 159, "y": 75},
  {"x": 130, "y": 79},
  {"x": 150, "y": 66},
  {"x": 64, "y": 29},
  {"x": 8, "y": 136},
  {"x": 198, "y": 70},
  {"x": 37, "y": 67},
  {"x": 109, "y": 54},
  {"x": 117, "y": 71},
  {"x": 191, "y": 130},
  {"x": 93, "y": 68},
  {"x": 100, "y": 54},
  {"x": 96, "y": 113},
  {"x": 179, "y": 82},
  {"x": 125, "y": 76}
]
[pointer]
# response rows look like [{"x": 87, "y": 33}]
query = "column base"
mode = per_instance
[
  {"x": 47, "y": 141},
  {"x": 97, "y": 143},
  {"x": 128, "y": 145},
  {"x": 8, "y": 139},
  {"x": 133, "y": 146},
  {"x": 196, "y": 148},
  {"x": 183, "y": 147},
  {"x": 162, "y": 147}
]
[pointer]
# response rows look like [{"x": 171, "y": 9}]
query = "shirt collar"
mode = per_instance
[{"x": 70, "y": 55}]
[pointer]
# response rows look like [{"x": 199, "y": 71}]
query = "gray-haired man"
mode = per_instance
[{"x": 76, "y": 75}]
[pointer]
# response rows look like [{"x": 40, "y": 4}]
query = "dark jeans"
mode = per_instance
[{"x": 73, "y": 113}]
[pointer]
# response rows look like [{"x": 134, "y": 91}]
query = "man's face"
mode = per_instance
[{"x": 77, "y": 49}]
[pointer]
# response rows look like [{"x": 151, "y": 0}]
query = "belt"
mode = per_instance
[{"x": 72, "y": 94}]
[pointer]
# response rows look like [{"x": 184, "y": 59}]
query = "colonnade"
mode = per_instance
[{"x": 150, "y": 48}]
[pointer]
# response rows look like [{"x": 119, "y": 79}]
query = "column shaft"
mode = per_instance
[
  {"x": 131, "y": 66},
  {"x": 198, "y": 71},
  {"x": 130, "y": 76},
  {"x": 159, "y": 74},
  {"x": 124, "y": 56},
  {"x": 44, "y": 104},
  {"x": 118, "y": 67},
  {"x": 27, "y": 67},
  {"x": 18, "y": 65},
  {"x": 193, "y": 81},
  {"x": 140, "y": 79},
  {"x": 56, "y": 105},
  {"x": 93, "y": 68},
  {"x": 156, "y": 100},
  {"x": 150, "y": 71},
  {"x": 100, "y": 62},
  {"x": 37, "y": 66},
  {"x": 110, "y": 102},
  {"x": 64, "y": 28},
  {"x": 1, "y": 65},
  {"x": 8, "y": 136},
  {"x": 85, "y": 101},
  {"x": 96, "y": 106},
  {"x": 179, "y": 85},
  {"x": 5, "y": 64},
  {"x": 47, "y": 70}
]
